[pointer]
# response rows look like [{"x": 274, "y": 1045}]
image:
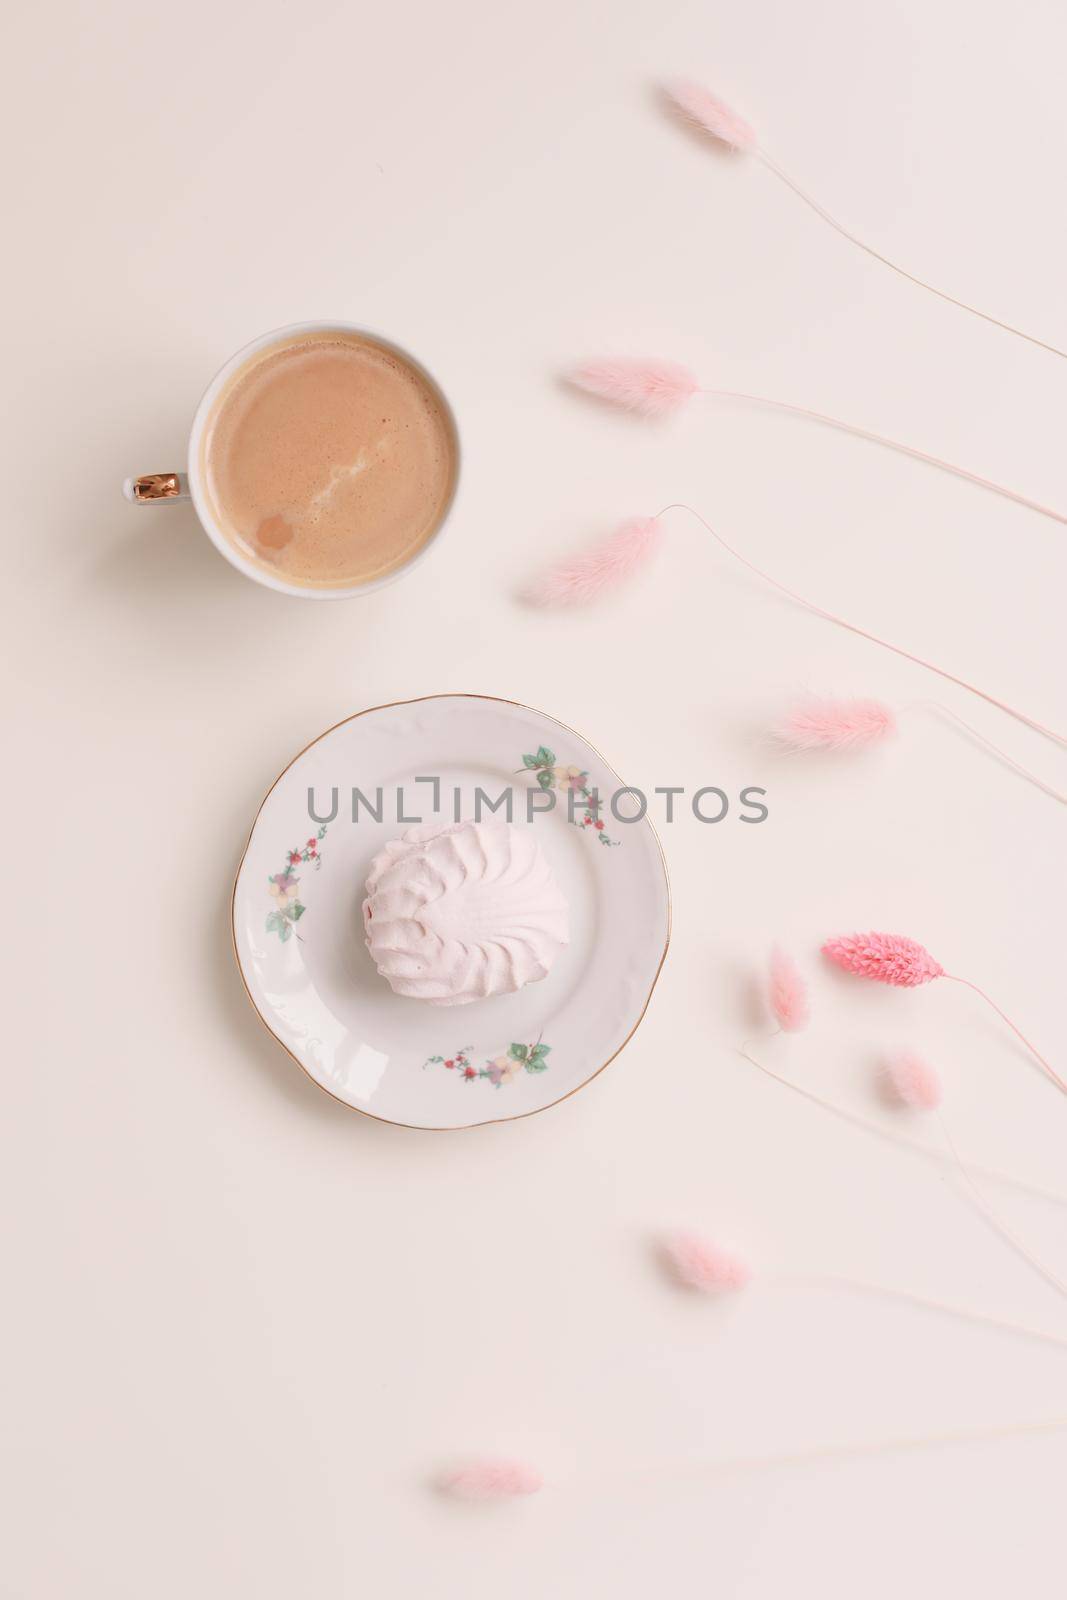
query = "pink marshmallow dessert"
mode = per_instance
[{"x": 462, "y": 912}]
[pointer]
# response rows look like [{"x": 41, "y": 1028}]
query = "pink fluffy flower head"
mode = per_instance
[
  {"x": 649, "y": 386},
  {"x": 913, "y": 1082},
  {"x": 827, "y": 724},
  {"x": 885, "y": 957},
  {"x": 577, "y": 580},
  {"x": 788, "y": 993},
  {"x": 491, "y": 1478},
  {"x": 707, "y": 111},
  {"x": 700, "y": 1264}
]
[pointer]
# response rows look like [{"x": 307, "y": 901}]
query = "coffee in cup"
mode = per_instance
[{"x": 323, "y": 461}]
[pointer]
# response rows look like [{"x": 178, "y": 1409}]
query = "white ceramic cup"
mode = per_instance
[{"x": 168, "y": 488}]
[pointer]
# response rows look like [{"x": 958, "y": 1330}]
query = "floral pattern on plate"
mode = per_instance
[
  {"x": 284, "y": 889},
  {"x": 501, "y": 1069},
  {"x": 569, "y": 780}
]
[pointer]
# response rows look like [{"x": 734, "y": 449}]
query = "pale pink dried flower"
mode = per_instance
[
  {"x": 603, "y": 566},
  {"x": 913, "y": 1082},
  {"x": 491, "y": 1478},
  {"x": 700, "y": 1264},
  {"x": 711, "y": 114},
  {"x": 817, "y": 723},
  {"x": 885, "y": 957},
  {"x": 647, "y": 385},
  {"x": 788, "y": 993}
]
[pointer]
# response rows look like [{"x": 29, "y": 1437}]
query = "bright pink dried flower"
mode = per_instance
[
  {"x": 711, "y": 114},
  {"x": 491, "y": 1479},
  {"x": 826, "y": 724},
  {"x": 603, "y": 566},
  {"x": 650, "y": 386},
  {"x": 914, "y": 1082},
  {"x": 885, "y": 957},
  {"x": 700, "y": 1264},
  {"x": 788, "y": 993},
  {"x": 893, "y": 958}
]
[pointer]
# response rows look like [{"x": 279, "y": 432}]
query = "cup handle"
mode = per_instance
[{"x": 156, "y": 488}]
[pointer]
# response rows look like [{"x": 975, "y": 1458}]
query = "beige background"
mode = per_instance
[{"x": 243, "y": 1324}]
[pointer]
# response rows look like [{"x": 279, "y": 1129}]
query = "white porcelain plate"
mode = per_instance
[{"x": 298, "y": 927}]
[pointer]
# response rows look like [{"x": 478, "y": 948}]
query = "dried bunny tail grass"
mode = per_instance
[
  {"x": 707, "y": 112},
  {"x": 895, "y": 959},
  {"x": 701, "y": 1264},
  {"x": 602, "y": 567},
  {"x": 713, "y": 116},
  {"x": 885, "y": 957},
  {"x": 822, "y": 723},
  {"x": 491, "y": 1478},
  {"x": 787, "y": 993},
  {"x": 657, "y": 388},
  {"x": 653, "y": 388},
  {"x": 914, "y": 1083}
]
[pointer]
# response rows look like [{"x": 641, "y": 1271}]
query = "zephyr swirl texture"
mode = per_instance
[{"x": 459, "y": 913}]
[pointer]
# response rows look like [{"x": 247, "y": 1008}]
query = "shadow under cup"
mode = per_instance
[{"x": 324, "y": 461}]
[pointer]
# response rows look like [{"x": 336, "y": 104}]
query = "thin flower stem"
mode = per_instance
[
  {"x": 873, "y": 1128},
  {"x": 1034, "y": 1051},
  {"x": 839, "y": 227},
  {"x": 942, "y": 1307},
  {"x": 844, "y": 1452},
  {"x": 863, "y": 633},
  {"x": 890, "y": 444},
  {"x": 986, "y": 1211},
  {"x": 974, "y": 1194},
  {"x": 1002, "y": 755}
]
